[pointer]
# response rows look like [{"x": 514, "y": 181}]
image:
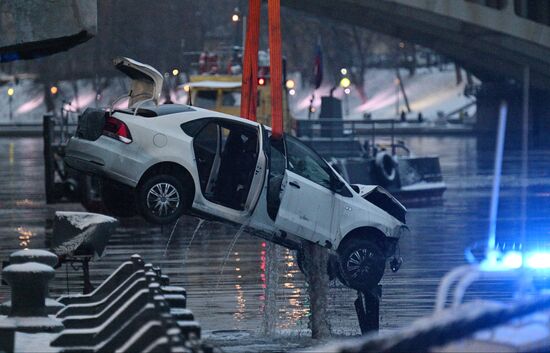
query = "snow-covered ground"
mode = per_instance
[
  {"x": 28, "y": 105},
  {"x": 429, "y": 91}
]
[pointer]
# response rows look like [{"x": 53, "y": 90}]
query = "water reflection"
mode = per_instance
[
  {"x": 24, "y": 237},
  {"x": 236, "y": 297},
  {"x": 293, "y": 308}
]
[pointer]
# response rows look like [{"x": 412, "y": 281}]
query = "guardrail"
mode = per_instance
[{"x": 333, "y": 129}]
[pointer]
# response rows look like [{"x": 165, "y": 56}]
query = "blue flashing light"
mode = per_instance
[
  {"x": 538, "y": 260},
  {"x": 512, "y": 260}
]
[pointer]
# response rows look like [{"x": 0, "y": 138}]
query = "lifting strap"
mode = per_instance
[
  {"x": 250, "y": 65},
  {"x": 250, "y": 62},
  {"x": 276, "y": 63}
]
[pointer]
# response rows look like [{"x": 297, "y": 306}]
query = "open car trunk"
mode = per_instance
[{"x": 146, "y": 81}]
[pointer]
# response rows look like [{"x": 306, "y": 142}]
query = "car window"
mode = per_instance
[
  {"x": 193, "y": 127},
  {"x": 277, "y": 166},
  {"x": 207, "y": 139},
  {"x": 305, "y": 162}
]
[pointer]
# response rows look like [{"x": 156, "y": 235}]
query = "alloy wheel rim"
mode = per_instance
[
  {"x": 163, "y": 199},
  {"x": 360, "y": 263}
]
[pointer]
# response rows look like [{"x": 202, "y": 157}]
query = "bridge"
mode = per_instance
[
  {"x": 503, "y": 42},
  {"x": 27, "y": 33}
]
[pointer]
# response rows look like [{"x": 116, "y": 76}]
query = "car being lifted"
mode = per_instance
[{"x": 172, "y": 159}]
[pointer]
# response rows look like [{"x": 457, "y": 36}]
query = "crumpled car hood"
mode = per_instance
[{"x": 381, "y": 198}]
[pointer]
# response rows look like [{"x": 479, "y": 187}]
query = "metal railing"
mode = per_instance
[{"x": 333, "y": 129}]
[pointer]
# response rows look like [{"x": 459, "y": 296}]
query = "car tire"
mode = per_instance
[
  {"x": 162, "y": 198},
  {"x": 362, "y": 264},
  {"x": 119, "y": 200}
]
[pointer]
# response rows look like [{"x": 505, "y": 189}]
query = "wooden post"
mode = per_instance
[{"x": 315, "y": 264}]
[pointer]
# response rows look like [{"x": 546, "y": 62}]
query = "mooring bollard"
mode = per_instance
[
  {"x": 42, "y": 257},
  {"x": 29, "y": 283},
  {"x": 7, "y": 335},
  {"x": 33, "y": 255}
]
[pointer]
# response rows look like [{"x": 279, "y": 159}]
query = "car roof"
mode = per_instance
[
  {"x": 183, "y": 113},
  {"x": 158, "y": 110}
]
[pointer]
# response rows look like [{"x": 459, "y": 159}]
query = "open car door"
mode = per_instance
[
  {"x": 146, "y": 81},
  {"x": 231, "y": 165}
]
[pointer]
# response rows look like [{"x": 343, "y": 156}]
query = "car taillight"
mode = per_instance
[{"x": 117, "y": 129}]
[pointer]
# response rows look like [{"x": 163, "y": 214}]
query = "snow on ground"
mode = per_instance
[
  {"x": 429, "y": 91},
  {"x": 34, "y": 342},
  {"x": 28, "y": 107},
  {"x": 83, "y": 220}
]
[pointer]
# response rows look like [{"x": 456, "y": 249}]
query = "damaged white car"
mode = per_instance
[{"x": 172, "y": 159}]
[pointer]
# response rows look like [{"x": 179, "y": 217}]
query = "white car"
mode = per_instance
[{"x": 173, "y": 159}]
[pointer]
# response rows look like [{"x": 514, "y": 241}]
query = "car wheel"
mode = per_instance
[
  {"x": 162, "y": 199},
  {"x": 362, "y": 264},
  {"x": 119, "y": 200}
]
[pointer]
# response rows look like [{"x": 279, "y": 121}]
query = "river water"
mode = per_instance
[{"x": 226, "y": 282}]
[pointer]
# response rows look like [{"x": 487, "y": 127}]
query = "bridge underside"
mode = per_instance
[
  {"x": 31, "y": 29},
  {"x": 496, "y": 58},
  {"x": 487, "y": 54}
]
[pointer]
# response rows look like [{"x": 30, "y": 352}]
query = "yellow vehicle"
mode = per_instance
[{"x": 222, "y": 93}]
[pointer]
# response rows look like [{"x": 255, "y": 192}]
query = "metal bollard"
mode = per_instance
[
  {"x": 40, "y": 256},
  {"x": 123, "y": 292},
  {"x": 117, "y": 278},
  {"x": 7, "y": 335},
  {"x": 33, "y": 255},
  {"x": 142, "y": 314},
  {"x": 29, "y": 283}
]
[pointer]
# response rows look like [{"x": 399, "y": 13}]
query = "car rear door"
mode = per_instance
[{"x": 231, "y": 171}]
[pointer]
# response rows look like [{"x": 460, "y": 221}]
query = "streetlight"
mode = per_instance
[
  {"x": 11, "y": 92},
  {"x": 290, "y": 84},
  {"x": 344, "y": 71},
  {"x": 236, "y": 19},
  {"x": 54, "y": 90},
  {"x": 175, "y": 72},
  {"x": 345, "y": 82}
]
